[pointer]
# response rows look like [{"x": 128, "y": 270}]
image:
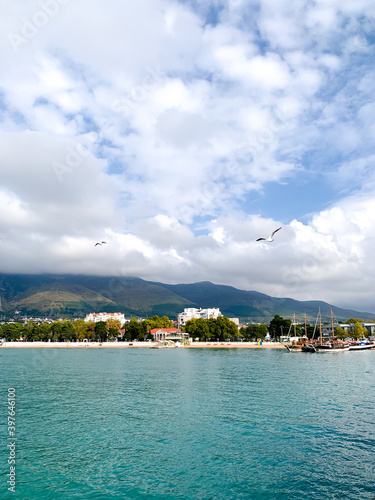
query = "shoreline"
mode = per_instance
[{"x": 131, "y": 345}]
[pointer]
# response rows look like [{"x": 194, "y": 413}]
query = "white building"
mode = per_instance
[
  {"x": 348, "y": 328},
  {"x": 193, "y": 313},
  {"x": 96, "y": 317},
  {"x": 169, "y": 334}
]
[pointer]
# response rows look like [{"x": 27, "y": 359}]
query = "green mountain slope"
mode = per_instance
[
  {"x": 76, "y": 295},
  {"x": 258, "y": 306},
  {"x": 60, "y": 297}
]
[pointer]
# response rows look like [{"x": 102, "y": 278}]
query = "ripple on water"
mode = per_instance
[{"x": 192, "y": 424}]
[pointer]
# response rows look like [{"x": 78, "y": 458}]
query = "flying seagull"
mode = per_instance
[
  {"x": 102, "y": 243},
  {"x": 270, "y": 236}
]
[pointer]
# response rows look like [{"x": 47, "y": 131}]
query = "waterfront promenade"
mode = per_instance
[{"x": 119, "y": 345}]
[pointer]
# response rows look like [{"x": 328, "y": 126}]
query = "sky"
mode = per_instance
[{"x": 179, "y": 132}]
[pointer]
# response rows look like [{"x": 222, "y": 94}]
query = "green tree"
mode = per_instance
[
  {"x": 279, "y": 326},
  {"x": 225, "y": 328},
  {"x": 255, "y": 332},
  {"x": 56, "y": 331},
  {"x": 358, "y": 331},
  {"x": 90, "y": 331},
  {"x": 146, "y": 331},
  {"x": 354, "y": 320},
  {"x": 113, "y": 323},
  {"x": 156, "y": 322},
  {"x": 340, "y": 332},
  {"x": 134, "y": 330},
  {"x": 11, "y": 331},
  {"x": 41, "y": 332},
  {"x": 101, "y": 332},
  {"x": 80, "y": 329},
  {"x": 29, "y": 331},
  {"x": 212, "y": 329},
  {"x": 197, "y": 328},
  {"x": 67, "y": 331},
  {"x": 112, "y": 333},
  {"x": 113, "y": 327}
]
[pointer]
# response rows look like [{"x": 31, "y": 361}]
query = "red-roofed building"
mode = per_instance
[{"x": 168, "y": 334}]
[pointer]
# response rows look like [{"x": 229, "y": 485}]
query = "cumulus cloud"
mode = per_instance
[{"x": 163, "y": 128}]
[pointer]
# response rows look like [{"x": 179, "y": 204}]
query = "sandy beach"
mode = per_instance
[{"x": 119, "y": 345}]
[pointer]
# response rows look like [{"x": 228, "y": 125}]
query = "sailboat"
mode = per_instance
[
  {"x": 310, "y": 345},
  {"x": 297, "y": 344},
  {"x": 333, "y": 344}
]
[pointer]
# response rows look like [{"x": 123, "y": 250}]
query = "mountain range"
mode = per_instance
[{"x": 76, "y": 295}]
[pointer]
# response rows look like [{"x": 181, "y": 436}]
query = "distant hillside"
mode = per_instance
[
  {"x": 76, "y": 295},
  {"x": 258, "y": 306},
  {"x": 60, "y": 296}
]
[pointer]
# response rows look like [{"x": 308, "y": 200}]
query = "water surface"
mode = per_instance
[{"x": 189, "y": 424}]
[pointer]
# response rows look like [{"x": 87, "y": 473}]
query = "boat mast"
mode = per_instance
[
  {"x": 333, "y": 331},
  {"x": 294, "y": 321},
  {"x": 320, "y": 327},
  {"x": 305, "y": 326}
]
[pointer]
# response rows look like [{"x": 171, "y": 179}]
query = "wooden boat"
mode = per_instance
[
  {"x": 303, "y": 344},
  {"x": 310, "y": 345},
  {"x": 309, "y": 348},
  {"x": 296, "y": 345},
  {"x": 333, "y": 344}
]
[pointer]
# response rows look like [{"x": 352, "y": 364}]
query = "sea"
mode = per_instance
[{"x": 138, "y": 423}]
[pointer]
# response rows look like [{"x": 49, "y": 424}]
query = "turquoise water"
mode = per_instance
[{"x": 189, "y": 424}]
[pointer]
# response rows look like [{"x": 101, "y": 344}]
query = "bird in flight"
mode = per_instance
[
  {"x": 270, "y": 236},
  {"x": 102, "y": 243}
]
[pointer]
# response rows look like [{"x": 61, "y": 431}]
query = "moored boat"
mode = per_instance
[
  {"x": 309, "y": 347},
  {"x": 361, "y": 345},
  {"x": 333, "y": 344},
  {"x": 307, "y": 344},
  {"x": 298, "y": 343}
]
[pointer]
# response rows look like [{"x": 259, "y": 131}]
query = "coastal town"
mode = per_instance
[{"x": 194, "y": 327}]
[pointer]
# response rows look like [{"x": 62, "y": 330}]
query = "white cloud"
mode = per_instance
[{"x": 150, "y": 127}]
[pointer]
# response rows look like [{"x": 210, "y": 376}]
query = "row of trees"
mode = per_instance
[
  {"x": 220, "y": 329},
  {"x": 79, "y": 330},
  {"x": 224, "y": 329},
  {"x": 59, "y": 331}
]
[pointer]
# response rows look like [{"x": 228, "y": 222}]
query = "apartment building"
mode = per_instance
[
  {"x": 96, "y": 317},
  {"x": 194, "y": 313}
]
